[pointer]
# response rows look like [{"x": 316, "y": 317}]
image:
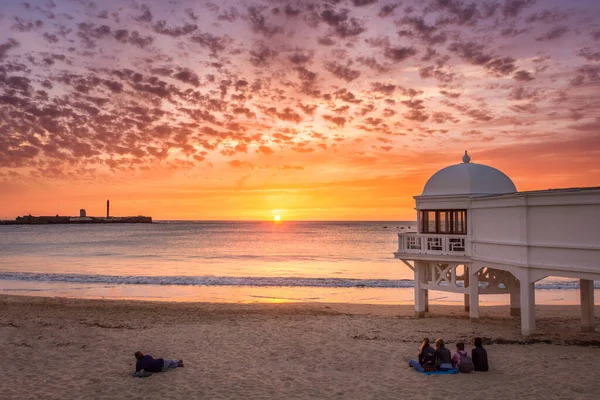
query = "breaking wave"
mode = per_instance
[{"x": 244, "y": 281}]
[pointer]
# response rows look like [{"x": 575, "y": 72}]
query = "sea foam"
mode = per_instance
[{"x": 245, "y": 281}]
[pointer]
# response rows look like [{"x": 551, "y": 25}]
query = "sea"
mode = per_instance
[{"x": 225, "y": 261}]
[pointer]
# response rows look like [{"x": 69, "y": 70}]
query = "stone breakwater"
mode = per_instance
[{"x": 31, "y": 220}]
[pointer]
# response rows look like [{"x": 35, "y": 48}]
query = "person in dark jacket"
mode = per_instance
[
  {"x": 149, "y": 364},
  {"x": 443, "y": 356},
  {"x": 479, "y": 356},
  {"x": 426, "y": 357}
]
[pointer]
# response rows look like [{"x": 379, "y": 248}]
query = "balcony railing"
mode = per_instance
[{"x": 415, "y": 243}]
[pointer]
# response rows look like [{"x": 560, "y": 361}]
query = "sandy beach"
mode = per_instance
[{"x": 58, "y": 348}]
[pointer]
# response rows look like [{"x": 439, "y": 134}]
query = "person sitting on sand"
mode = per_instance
[
  {"x": 442, "y": 356},
  {"x": 426, "y": 358},
  {"x": 461, "y": 359},
  {"x": 149, "y": 364},
  {"x": 479, "y": 356}
]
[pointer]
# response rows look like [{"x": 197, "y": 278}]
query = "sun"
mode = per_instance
[{"x": 276, "y": 218}]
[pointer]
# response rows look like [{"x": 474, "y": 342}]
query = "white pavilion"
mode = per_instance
[{"x": 478, "y": 235}]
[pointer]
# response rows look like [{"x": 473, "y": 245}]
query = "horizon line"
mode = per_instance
[{"x": 259, "y": 220}]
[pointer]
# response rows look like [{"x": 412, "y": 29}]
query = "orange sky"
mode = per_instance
[{"x": 336, "y": 110}]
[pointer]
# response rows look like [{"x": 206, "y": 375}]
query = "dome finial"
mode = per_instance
[{"x": 466, "y": 158}]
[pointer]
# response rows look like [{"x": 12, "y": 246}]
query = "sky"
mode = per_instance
[{"x": 311, "y": 110}]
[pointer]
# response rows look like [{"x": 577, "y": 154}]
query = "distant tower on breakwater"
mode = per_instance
[{"x": 107, "y": 208}]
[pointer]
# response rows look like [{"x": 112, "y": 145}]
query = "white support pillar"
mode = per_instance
[
  {"x": 473, "y": 293},
  {"x": 466, "y": 282},
  {"x": 586, "y": 293},
  {"x": 420, "y": 299},
  {"x": 527, "y": 307},
  {"x": 426, "y": 278},
  {"x": 515, "y": 299}
]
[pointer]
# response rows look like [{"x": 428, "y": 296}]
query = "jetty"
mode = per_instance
[
  {"x": 81, "y": 219},
  {"x": 43, "y": 220}
]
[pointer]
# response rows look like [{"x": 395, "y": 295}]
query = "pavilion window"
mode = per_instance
[{"x": 452, "y": 222}]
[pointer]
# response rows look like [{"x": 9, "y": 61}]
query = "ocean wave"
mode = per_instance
[
  {"x": 244, "y": 281},
  {"x": 207, "y": 280}
]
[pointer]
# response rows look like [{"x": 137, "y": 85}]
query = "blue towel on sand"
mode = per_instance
[{"x": 450, "y": 371}]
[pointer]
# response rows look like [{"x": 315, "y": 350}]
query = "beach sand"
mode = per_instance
[{"x": 58, "y": 348}]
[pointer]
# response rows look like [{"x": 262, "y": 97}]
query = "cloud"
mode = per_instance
[
  {"x": 398, "y": 54},
  {"x": 343, "y": 72},
  {"x": 332, "y": 18},
  {"x": 262, "y": 56},
  {"x": 343, "y": 26},
  {"x": 291, "y": 167},
  {"x": 441, "y": 117},
  {"x": 347, "y": 96},
  {"x": 372, "y": 63},
  {"x": 215, "y": 44},
  {"x": 124, "y": 36},
  {"x": 161, "y": 28},
  {"x": 187, "y": 76},
  {"x": 291, "y": 12},
  {"x": 146, "y": 16},
  {"x": 459, "y": 13},
  {"x": 300, "y": 57},
  {"x": 8, "y": 45},
  {"x": 387, "y": 89},
  {"x": 240, "y": 164},
  {"x": 388, "y": 10},
  {"x": 308, "y": 109},
  {"x": 265, "y": 150},
  {"x": 523, "y": 76},
  {"x": 521, "y": 93},
  {"x": 586, "y": 73},
  {"x": 554, "y": 33},
  {"x": 474, "y": 54},
  {"x": 258, "y": 22},
  {"x": 547, "y": 17},
  {"x": 287, "y": 114},
  {"x": 339, "y": 121},
  {"x": 512, "y": 8},
  {"x": 589, "y": 54},
  {"x": 418, "y": 28},
  {"x": 362, "y": 3},
  {"x": 437, "y": 73}
]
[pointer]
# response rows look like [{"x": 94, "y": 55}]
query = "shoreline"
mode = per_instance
[
  {"x": 267, "y": 294},
  {"x": 75, "y": 348}
]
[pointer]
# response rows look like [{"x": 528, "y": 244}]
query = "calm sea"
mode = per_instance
[{"x": 221, "y": 261}]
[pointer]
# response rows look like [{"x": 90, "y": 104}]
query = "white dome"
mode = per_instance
[{"x": 468, "y": 178}]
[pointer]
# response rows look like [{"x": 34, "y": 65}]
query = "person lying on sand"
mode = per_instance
[{"x": 149, "y": 364}]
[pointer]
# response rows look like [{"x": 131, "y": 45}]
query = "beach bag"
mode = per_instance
[
  {"x": 428, "y": 357},
  {"x": 466, "y": 364}
]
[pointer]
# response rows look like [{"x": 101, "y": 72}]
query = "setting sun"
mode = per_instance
[{"x": 276, "y": 218}]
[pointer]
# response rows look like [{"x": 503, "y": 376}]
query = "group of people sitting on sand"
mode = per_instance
[
  {"x": 429, "y": 359},
  {"x": 439, "y": 358}
]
